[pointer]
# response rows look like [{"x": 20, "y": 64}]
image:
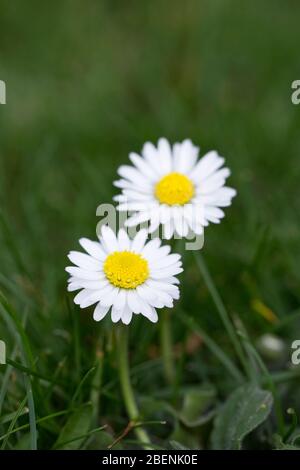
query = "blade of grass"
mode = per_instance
[
  {"x": 26, "y": 354},
  {"x": 81, "y": 383},
  {"x": 28, "y": 371},
  {"x": 211, "y": 344},
  {"x": 13, "y": 248},
  {"x": 96, "y": 385},
  {"x": 43, "y": 419},
  {"x": 5, "y": 380},
  {"x": 269, "y": 383},
  {"x": 222, "y": 311},
  {"x": 32, "y": 418},
  {"x": 76, "y": 337},
  {"x": 138, "y": 443},
  {"x": 13, "y": 422},
  {"x": 55, "y": 381},
  {"x": 281, "y": 377},
  {"x": 15, "y": 325},
  {"x": 9, "y": 417},
  {"x": 77, "y": 438},
  {"x": 294, "y": 316}
]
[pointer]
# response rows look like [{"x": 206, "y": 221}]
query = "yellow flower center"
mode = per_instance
[
  {"x": 126, "y": 269},
  {"x": 174, "y": 188}
]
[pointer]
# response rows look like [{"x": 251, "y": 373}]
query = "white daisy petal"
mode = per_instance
[
  {"x": 164, "y": 250},
  {"x": 154, "y": 221},
  {"x": 82, "y": 295},
  {"x": 73, "y": 286},
  {"x": 96, "y": 296},
  {"x": 120, "y": 198},
  {"x": 207, "y": 165},
  {"x": 154, "y": 297},
  {"x": 214, "y": 212},
  {"x": 94, "y": 285},
  {"x": 115, "y": 315},
  {"x": 134, "y": 176},
  {"x": 214, "y": 182},
  {"x": 136, "y": 206},
  {"x": 164, "y": 213},
  {"x": 84, "y": 261},
  {"x": 146, "y": 309},
  {"x": 150, "y": 313},
  {"x": 166, "y": 261},
  {"x": 120, "y": 300},
  {"x": 139, "y": 241},
  {"x": 100, "y": 312},
  {"x": 137, "y": 196},
  {"x": 133, "y": 301},
  {"x": 150, "y": 154},
  {"x": 169, "y": 229},
  {"x": 109, "y": 239},
  {"x": 153, "y": 316},
  {"x": 83, "y": 274},
  {"x": 185, "y": 156},
  {"x": 108, "y": 298},
  {"x": 126, "y": 315},
  {"x": 150, "y": 247},
  {"x": 165, "y": 155},
  {"x": 143, "y": 166},
  {"x": 178, "y": 226},
  {"x": 137, "y": 219},
  {"x": 123, "y": 239},
  {"x": 124, "y": 184},
  {"x": 155, "y": 254},
  {"x": 170, "y": 280},
  {"x": 164, "y": 286},
  {"x": 161, "y": 273},
  {"x": 93, "y": 248}
]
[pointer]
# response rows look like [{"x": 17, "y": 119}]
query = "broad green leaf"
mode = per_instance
[
  {"x": 102, "y": 440},
  {"x": 23, "y": 443},
  {"x": 185, "y": 436},
  {"x": 280, "y": 445},
  {"x": 177, "y": 446},
  {"x": 196, "y": 403},
  {"x": 245, "y": 409},
  {"x": 76, "y": 426}
]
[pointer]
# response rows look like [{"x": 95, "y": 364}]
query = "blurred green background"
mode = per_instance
[{"x": 88, "y": 82}]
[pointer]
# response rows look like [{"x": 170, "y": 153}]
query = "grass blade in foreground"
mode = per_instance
[
  {"x": 222, "y": 311},
  {"x": 211, "y": 344},
  {"x": 16, "y": 326}
]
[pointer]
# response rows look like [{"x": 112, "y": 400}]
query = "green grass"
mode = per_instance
[{"x": 88, "y": 82}]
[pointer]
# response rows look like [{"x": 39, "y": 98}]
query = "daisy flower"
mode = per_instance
[
  {"x": 169, "y": 186},
  {"x": 124, "y": 276}
]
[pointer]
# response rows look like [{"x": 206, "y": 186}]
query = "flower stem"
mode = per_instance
[
  {"x": 167, "y": 347},
  {"x": 128, "y": 395}
]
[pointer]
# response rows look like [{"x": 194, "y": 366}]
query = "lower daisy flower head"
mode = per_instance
[
  {"x": 124, "y": 276},
  {"x": 169, "y": 186}
]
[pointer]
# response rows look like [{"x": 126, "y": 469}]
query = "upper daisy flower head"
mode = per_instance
[
  {"x": 124, "y": 276},
  {"x": 169, "y": 186}
]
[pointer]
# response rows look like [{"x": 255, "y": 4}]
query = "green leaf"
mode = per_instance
[
  {"x": 18, "y": 413},
  {"x": 102, "y": 440},
  {"x": 75, "y": 429},
  {"x": 280, "y": 445},
  {"x": 23, "y": 442},
  {"x": 245, "y": 409},
  {"x": 196, "y": 402},
  {"x": 185, "y": 437},
  {"x": 177, "y": 446}
]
